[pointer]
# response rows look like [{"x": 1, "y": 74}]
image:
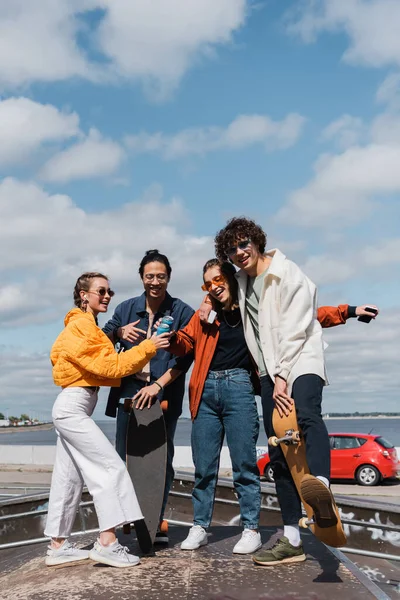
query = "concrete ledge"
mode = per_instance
[{"x": 45, "y": 455}]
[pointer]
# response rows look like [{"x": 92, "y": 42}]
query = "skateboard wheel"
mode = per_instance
[
  {"x": 164, "y": 405},
  {"x": 303, "y": 522},
  {"x": 164, "y": 526},
  {"x": 273, "y": 441}
]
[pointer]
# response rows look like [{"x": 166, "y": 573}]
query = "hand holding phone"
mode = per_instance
[{"x": 367, "y": 318}]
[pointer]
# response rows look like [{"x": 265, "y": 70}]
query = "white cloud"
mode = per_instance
[
  {"x": 38, "y": 42},
  {"x": 94, "y": 156},
  {"x": 345, "y": 131},
  {"x": 389, "y": 90},
  {"x": 362, "y": 365},
  {"x": 385, "y": 129},
  {"x": 242, "y": 132},
  {"x": 26, "y": 125},
  {"x": 372, "y": 27},
  {"x": 154, "y": 42},
  {"x": 49, "y": 241},
  {"x": 158, "y": 41},
  {"x": 35, "y": 392}
]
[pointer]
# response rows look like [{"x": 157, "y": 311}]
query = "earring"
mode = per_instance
[{"x": 84, "y": 303}]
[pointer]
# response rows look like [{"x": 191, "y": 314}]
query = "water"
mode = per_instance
[{"x": 387, "y": 428}]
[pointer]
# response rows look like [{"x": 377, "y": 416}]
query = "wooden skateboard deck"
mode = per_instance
[
  {"x": 295, "y": 456},
  {"x": 146, "y": 461}
]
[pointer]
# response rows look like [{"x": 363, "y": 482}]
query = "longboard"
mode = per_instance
[
  {"x": 290, "y": 439},
  {"x": 146, "y": 461}
]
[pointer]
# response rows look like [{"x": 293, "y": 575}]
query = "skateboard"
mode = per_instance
[
  {"x": 146, "y": 461},
  {"x": 290, "y": 439}
]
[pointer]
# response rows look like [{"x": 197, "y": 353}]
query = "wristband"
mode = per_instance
[{"x": 159, "y": 385}]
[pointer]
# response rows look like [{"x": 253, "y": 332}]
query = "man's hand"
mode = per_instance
[
  {"x": 146, "y": 396},
  {"x": 283, "y": 402},
  {"x": 204, "y": 311},
  {"x": 362, "y": 312},
  {"x": 131, "y": 333}
]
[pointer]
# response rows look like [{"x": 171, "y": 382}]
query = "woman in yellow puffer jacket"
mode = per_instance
[{"x": 84, "y": 359}]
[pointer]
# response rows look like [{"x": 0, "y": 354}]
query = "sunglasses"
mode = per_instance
[
  {"x": 102, "y": 292},
  {"x": 239, "y": 246},
  {"x": 206, "y": 287}
]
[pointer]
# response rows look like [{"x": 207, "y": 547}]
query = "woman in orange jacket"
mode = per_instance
[{"x": 84, "y": 359}]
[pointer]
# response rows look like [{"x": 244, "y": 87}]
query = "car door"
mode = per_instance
[{"x": 344, "y": 456}]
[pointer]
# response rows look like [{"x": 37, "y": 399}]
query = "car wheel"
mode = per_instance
[
  {"x": 368, "y": 475},
  {"x": 269, "y": 473}
]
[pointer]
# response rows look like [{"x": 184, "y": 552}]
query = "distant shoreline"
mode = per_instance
[
  {"x": 356, "y": 418},
  {"x": 43, "y": 427}
]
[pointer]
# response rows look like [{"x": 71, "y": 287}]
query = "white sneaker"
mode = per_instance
[
  {"x": 114, "y": 555},
  {"x": 66, "y": 553},
  {"x": 248, "y": 543},
  {"x": 197, "y": 537}
]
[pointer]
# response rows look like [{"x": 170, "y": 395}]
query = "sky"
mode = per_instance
[{"x": 127, "y": 125}]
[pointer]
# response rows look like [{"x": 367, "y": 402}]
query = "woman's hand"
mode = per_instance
[
  {"x": 131, "y": 333},
  {"x": 283, "y": 402},
  {"x": 145, "y": 396},
  {"x": 161, "y": 342},
  {"x": 204, "y": 311}
]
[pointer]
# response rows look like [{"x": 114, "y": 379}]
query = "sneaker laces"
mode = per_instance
[
  {"x": 121, "y": 550},
  {"x": 196, "y": 531},
  {"x": 248, "y": 533}
]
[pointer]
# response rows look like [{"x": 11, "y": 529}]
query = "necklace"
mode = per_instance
[{"x": 226, "y": 321}]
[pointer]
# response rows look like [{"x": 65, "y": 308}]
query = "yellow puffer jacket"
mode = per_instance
[{"x": 82, "y": 355}]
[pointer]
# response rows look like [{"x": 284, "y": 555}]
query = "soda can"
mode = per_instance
[{"x": 165, "y": 325}]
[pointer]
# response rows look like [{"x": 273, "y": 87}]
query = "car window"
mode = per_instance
[
  {"x": 346, "y": 443},
  {"x": 362, "y": 441},
  {"x": 331, "y": 441},
  {"x": 382, "y": 442}
]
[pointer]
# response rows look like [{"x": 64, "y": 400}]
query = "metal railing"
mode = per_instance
[{"x": 185, "y": 495}]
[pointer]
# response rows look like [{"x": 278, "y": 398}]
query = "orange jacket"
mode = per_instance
[
  {"x": 330, "y": 316},
  {"x": 82, "y": 355},
  {"x": 202, "y": 338}
]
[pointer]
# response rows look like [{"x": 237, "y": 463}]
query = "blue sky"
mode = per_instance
[{"x": 130, "y": 125}]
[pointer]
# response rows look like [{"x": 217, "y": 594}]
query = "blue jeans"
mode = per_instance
[
  {"x": 227, "y": 406},
  {"x": 171, "y": 419}
]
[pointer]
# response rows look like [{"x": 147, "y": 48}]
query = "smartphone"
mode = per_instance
[
  {"x": 211, "y": 316},
  {"x": 365, "y": 318}
]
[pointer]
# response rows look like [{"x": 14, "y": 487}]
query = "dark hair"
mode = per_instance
[
  {"x": 154, "y": 256},
  {"x": 236, "y": 229},
  {"x": 83, "y": 284},
  {"x": 229, "y": 272}
]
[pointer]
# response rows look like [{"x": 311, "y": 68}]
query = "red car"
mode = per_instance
[{"x": 364, "y": 457}]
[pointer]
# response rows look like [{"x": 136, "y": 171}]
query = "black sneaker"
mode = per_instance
[
  {"x": 281, "y": 553},
  {"x": 161, "y": 537},
  {"x": 320, "y": 498}
]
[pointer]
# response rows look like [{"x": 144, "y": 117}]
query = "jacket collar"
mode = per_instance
[{"x": 165, "y": 307}]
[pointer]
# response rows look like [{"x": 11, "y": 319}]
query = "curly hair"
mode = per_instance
[{"x": 236, "y": 229}]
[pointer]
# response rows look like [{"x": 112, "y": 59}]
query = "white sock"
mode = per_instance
[
  {"x": 324, "y": 480},
  {"x": 292, "y": 532}
]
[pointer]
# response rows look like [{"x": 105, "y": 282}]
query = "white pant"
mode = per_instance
[{"x": 84, "y": 455}]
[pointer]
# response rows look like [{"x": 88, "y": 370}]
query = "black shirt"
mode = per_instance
[{"x": 231, "y": 351}]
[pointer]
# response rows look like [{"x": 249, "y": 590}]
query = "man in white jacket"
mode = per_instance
[{"x": 278, "y": 305}]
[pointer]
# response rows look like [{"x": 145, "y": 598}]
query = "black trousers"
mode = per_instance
[{"x": 307, "y": 394}]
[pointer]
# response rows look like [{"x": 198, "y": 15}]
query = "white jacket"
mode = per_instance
[{"x": 290, "y": 334}]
